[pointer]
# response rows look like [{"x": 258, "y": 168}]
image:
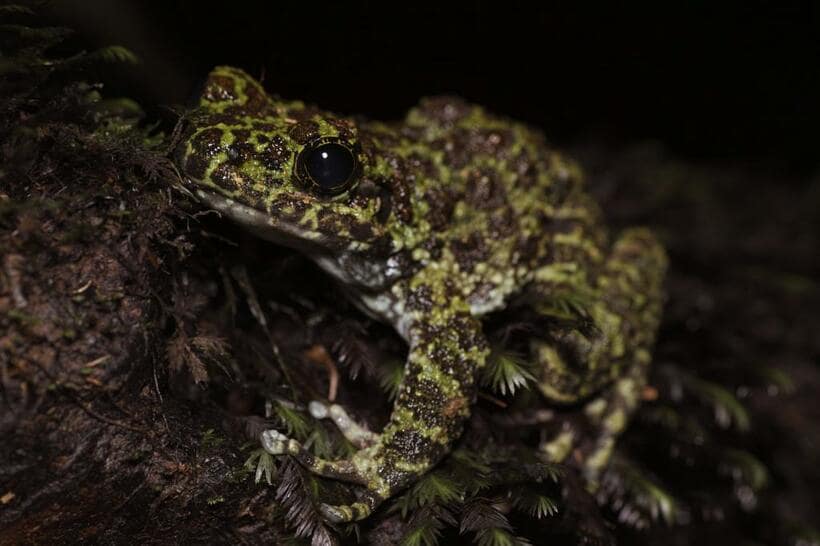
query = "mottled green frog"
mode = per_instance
[{"x": 428, "y": 224}]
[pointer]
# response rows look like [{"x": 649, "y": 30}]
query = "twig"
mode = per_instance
[
  {"x": 319, "y": 355},
  {"x": 11, "y": 265}
]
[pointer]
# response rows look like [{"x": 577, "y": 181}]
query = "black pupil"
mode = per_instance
[{"x": 330, "y": 165}]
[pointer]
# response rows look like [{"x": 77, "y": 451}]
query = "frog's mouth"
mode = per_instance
[
  {"x": 317, "y": 246},
  {"x": 269, "y": 227}
]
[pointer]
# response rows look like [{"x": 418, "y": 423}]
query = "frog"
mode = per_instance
[{"x": 429, "y": 224}]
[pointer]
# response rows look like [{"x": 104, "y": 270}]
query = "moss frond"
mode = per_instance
[
  {"x": 261, "y": 463},
  {"x": 505, "y": 373},
  {"x": 636, "y": 497},
  {"x": 296, "y": 424},
  {"x": 727, "y": 408},
  {"x": 746, "y": 468},
  {"x": 390, "y": 376}
]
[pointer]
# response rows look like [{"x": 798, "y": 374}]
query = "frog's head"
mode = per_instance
[{"x": 292, "y": 173}]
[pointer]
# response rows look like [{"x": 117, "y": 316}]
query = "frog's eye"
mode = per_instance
[{"x": 329, "y": 166}]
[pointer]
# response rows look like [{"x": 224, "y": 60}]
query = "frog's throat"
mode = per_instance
[{"x": 270, "y": 228}]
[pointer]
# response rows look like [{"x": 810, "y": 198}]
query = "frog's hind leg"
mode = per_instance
[
  {"x": 609, "y": 414},
  {"x": 608, "y": 344}
]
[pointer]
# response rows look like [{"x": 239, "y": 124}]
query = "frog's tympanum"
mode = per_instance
[{"x": 428, "y": 224}]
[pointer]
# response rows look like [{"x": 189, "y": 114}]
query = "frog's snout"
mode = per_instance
[{"x": 195, "y": 151}]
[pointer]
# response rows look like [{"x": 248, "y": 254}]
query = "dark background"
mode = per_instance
[
  {"x": 731, "y": 91},
  {"x": 715, "y": 81}
]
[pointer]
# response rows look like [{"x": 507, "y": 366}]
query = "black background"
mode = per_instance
[{"x": 714, "y": 81}]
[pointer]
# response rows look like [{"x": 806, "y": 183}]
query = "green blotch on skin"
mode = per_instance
[{"x": 559, "y": 448}]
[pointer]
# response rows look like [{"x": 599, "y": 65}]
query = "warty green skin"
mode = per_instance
[{"x": 454, "y": 213}]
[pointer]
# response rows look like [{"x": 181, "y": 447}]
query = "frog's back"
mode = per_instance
[{"x": 494, "y": 200}]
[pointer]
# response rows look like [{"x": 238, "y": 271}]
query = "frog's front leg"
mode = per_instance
[{"x": 447, "y": 347}]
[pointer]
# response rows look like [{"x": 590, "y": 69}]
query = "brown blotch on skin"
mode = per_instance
[
  {"x": 303, "y": 113},
  {"x": 525, "y": 168},
  {"x": 240, "y": 150},
  {"x": 326, "y": 218},
  {"x": 469, "y": 252},
  {"x": 250, "y": 195},
  {"x": 444, "y": 109},
  {"x": 434, "y": 246},
  {"x": 457, "y": 366},
  {"x": 397, "y": 479},
  {"x": 196, "y": 166},
  {"x": 483, "y": 190},
  {"x": 464, "y": 323},
  {"x": 385, "y": 206},
  {"x": 304, "y": 131},
  {"x": 493, "y": 142},
  {"x": 361, "y": 231},
  {"x": 264, "y": 127},
  {"x": 457, "y": 155},
  {"x": 283, "y": 205},
  {"x": 502, "y": 223},
  {"x": 205, "y": 145},
  {"x": 423, "y": 165},
  {"x": 364, "y": 191},
  {"x": 225, "y": 177},
  {"x": 420, "y": 299},
  {"x": 382, "y": 246},
  {"x": 257, "y": 101},
  {"x": 559, "y": 225},
  {"x": 225, "y": 118},
  {"x": 455, "y": 406},
  {"x": 401, "y": 199},
  {"x": 220, "y": 89},
  {"x": 413, "y": 447},
  {"x": 208, "y": 142},
  {"x": 442, "y": 203},
  {"x": 527, "y": 248},
  {"x": 426, "y": 401},
  {"x": 413, "y": 133},
  {"x": 275, "y": 154},
  {"x": 344, "y": 127},
  {"x": 241, "y": 135},
  {"x": 561, "y": 186}
]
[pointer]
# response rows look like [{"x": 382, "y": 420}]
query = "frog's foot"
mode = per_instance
[
  {"x": 558, "y": 448},
  {"x": 356, "y": 434},
  {"x": 276, "y": 443},
  {"x": 344, "y": 513},
  {"x": 610, "y": 414}
]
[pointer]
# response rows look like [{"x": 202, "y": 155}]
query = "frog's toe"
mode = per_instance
[
  {"x": 277, "y": 443},
  {"x": 318, "y": 409},
  {"x": 344, "y": 513}
]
